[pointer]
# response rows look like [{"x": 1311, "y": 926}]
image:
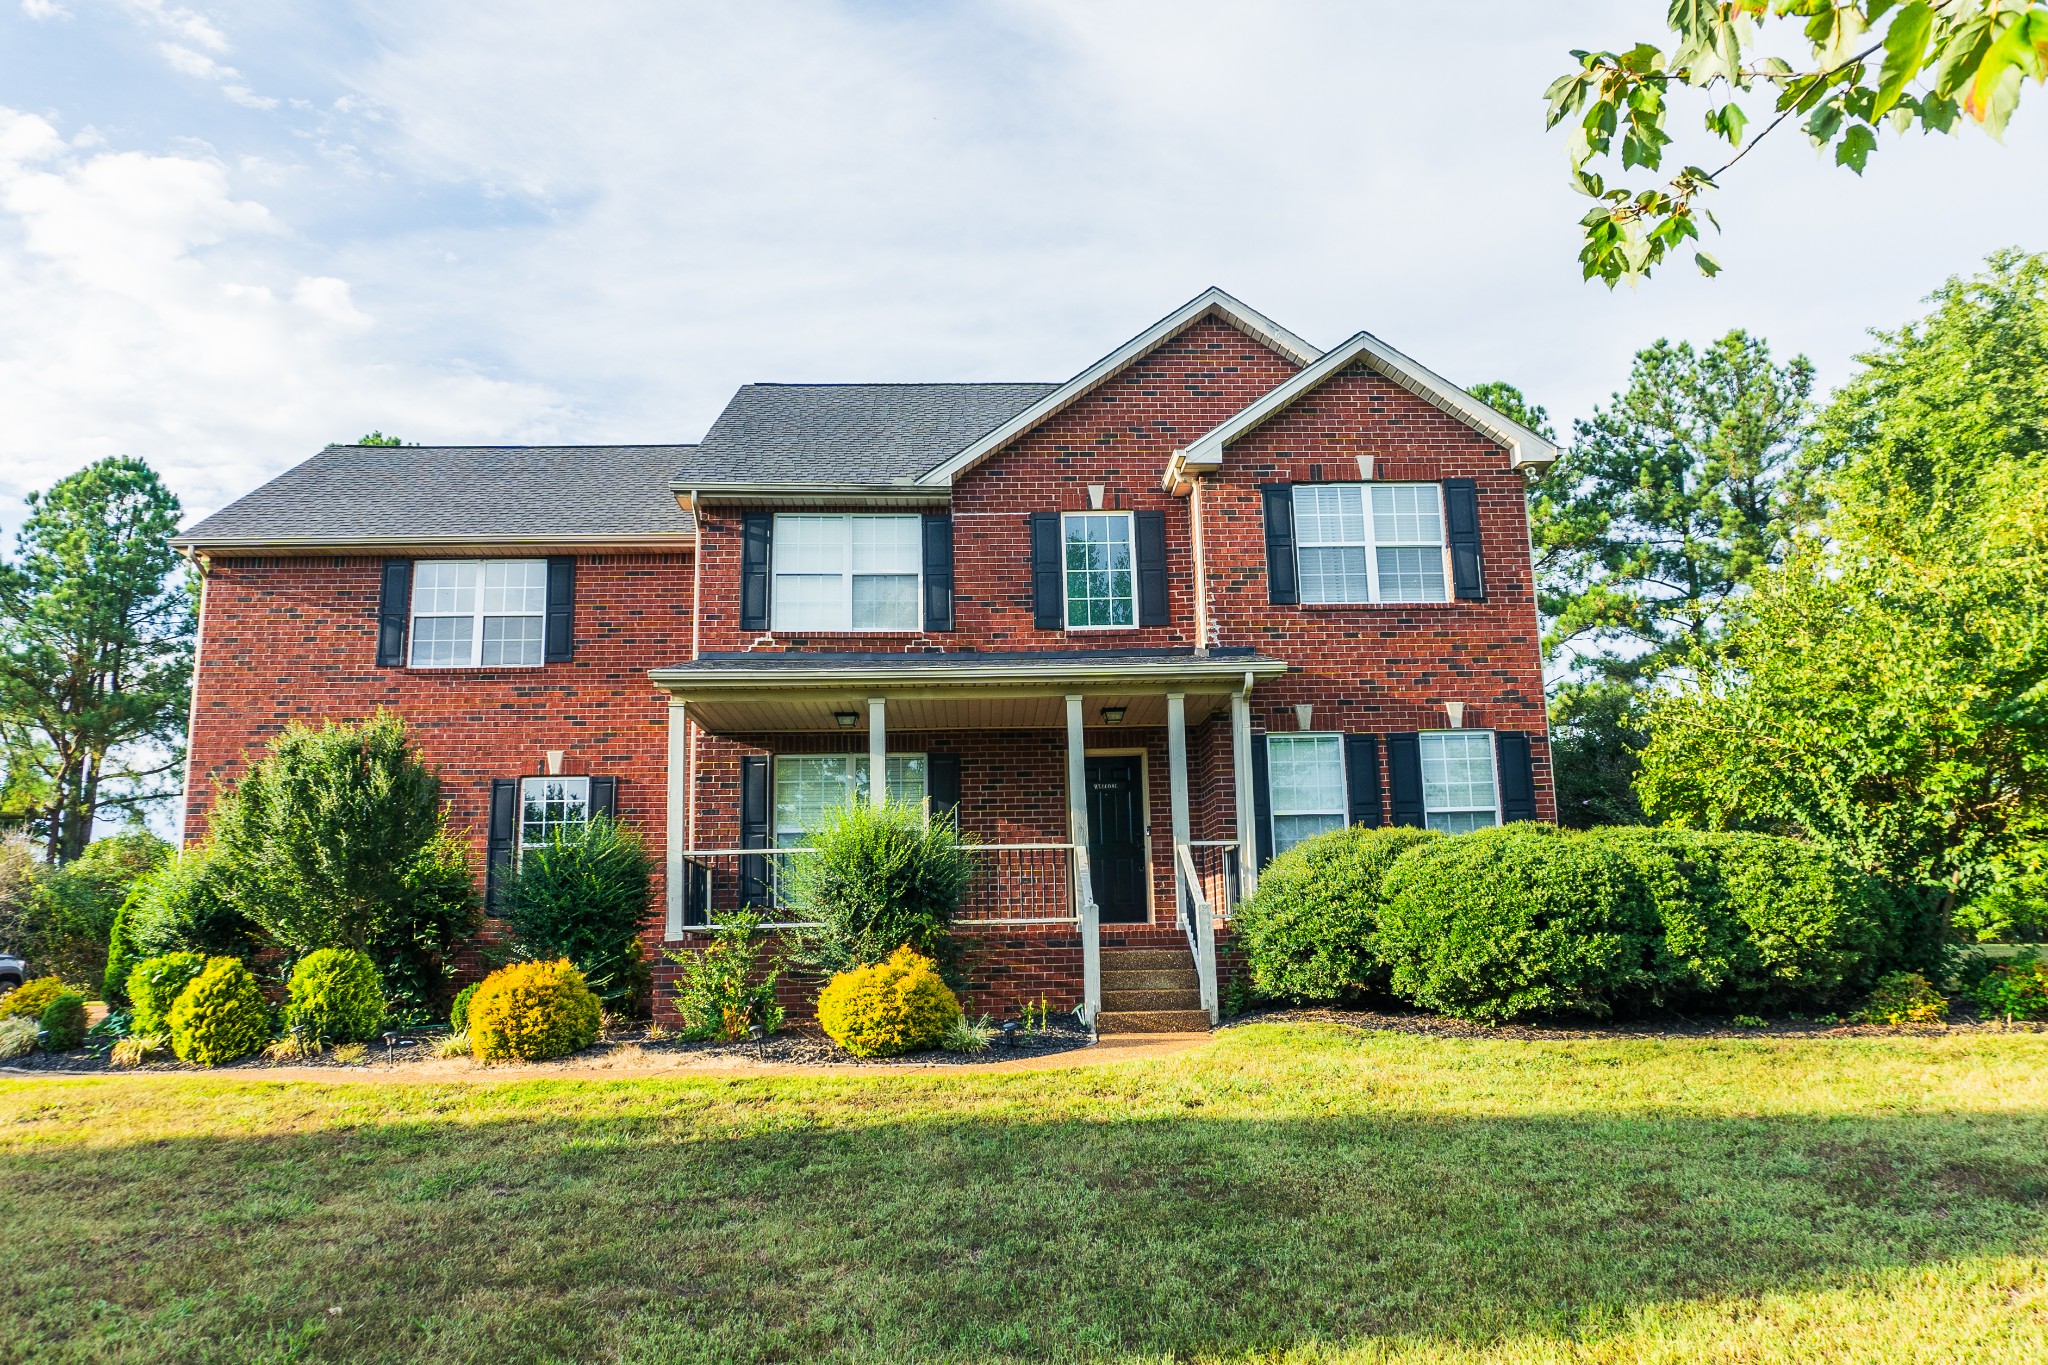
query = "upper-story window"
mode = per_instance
[
  {"x": 469, "y": 613},
  {"x": 1381, "y": 542},
  {"x": 1101, "y": 586},
  {"x": 846, "y": 572},
  {"x": 1460, "y": 789}
]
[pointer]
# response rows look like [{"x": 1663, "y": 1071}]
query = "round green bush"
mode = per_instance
[
  {"x": 154, "y": 985},
  {"x": 1523, "y": 920},
  {"x": 64, "y": 1022},
  {"x": 1308, "y": 932},
  {"x": 458, "y": 1013},
  {"x": 1814, "y": 929},
  {"x": 220, "y": 1017},
  {"x": 335, "y": 997},
  {"x": 533, "y": 1011}
]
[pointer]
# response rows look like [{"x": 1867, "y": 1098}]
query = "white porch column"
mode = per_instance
[
  {"x": 1077, "y": 833},
  {"x": 678, "y": 811},
  {"x": 1241, "y": 767},
  {"x": 1177, "y": 779},
  {"x": 878, "y": 751}
]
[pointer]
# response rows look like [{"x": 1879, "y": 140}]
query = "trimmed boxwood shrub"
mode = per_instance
[
  {"x": 154, "y": 986},
  {"x": 336, "y": 997},
  {"x": 220, "y": 1017},
  {"x": 63, "y": 1022},
  {"x": 458, "y": 1013},
  {"x": 901, "y": 1005},
  {"x": 1815, "y": 930},
  {"x": 1501, "y": 924},
  {"x": 532, "y": 1011},
  {"x": 28, "y": 1000},
  {"x": 1308, "y": 932}
]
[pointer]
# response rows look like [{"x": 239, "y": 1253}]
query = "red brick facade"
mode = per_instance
[{"x": 295, "y": 637}]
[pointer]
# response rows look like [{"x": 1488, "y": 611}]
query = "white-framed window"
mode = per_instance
[
  {"x": 850, "y": 573},
  {"x": 1100, "y": 570},
  {"x": 479, "y": 613},
  {"x": 551, "y": 804},
  {"x": 1305, "y": 774},
  {"x": 807, "y": 786},
  {"x": 1460, "y": 789},
  {"x": 1380, "y": 542}
]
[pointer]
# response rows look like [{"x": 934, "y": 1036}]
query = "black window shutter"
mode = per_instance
[
  {"x": 1404, "y": 777},
  {"x": 942, "y": 774},
  {"x": 754, "y": 829},
  {"x": 1362, "y": 780},
  {"x": 1048, "y": 602},
  {"x": 1461, "y": 515},
  {"x": 604, "y": 797},
  {"x": 502, "y": 839},
  {"x": 1262, "y": 802},
  {"x": 1517, "y": 778},
  {"x": 938, "y": 571},
  {"x": 757, "y": 533},
  {"x": 1151, "y": 535},
  {"x": 1282, "y": 587},
  {"x": 394, "y": 607},
  {"x": 561, "y": 628}
]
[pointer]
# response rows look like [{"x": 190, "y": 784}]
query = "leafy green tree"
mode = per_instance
[
  {"x": 337, "y": 838},
  {"x": 1931, "y": 63},
  {"x": 1596, "y": 742},
  {"x": 1886, "y": 691},
  {"x": 72, "y": 909},
  {"x": 95, "y": 649},
  {"x": 378, "y": 438}
]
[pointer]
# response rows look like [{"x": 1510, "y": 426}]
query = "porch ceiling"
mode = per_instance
[{"x": 770, "y": 693}]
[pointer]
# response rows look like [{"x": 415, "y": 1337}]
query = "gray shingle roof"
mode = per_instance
[
  {"x": 393, "y": 493},
  {"x": 848, "y": 433}
]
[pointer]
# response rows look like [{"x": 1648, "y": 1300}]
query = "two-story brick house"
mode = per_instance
[{"x": 1137, "y": 632}]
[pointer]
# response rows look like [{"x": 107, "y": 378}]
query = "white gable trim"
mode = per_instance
[
  {"x": 1524, "y": 446},
  {"x": 1210, "y": 302}
]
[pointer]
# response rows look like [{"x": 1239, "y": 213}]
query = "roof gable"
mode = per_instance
[{"x": 1209, "y": 303}]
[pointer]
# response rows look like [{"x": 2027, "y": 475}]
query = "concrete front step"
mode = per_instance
[
  {"x": 1152, "y": 1021},
  {"x": 1120, "y": 1002},
  {"x": 1161, "y": 979},
  {"x": 1146, "y": 959}
]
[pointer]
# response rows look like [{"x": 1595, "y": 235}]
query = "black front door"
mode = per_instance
[{"x": 1116, "y": 838}]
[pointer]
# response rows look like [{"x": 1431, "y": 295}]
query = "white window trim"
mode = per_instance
[
  {"x": 519, "y": 825},
  {"x": 846, "y": 576},
  {"x": 476, "y": 630},
  {"x": 1131, "y": 539},
  {"x": 1343, "y": 812},
  {"x": 1492, "y": 758},
  {"x": 854, "y": 761},
  {"x": 1372, "y": 545}
]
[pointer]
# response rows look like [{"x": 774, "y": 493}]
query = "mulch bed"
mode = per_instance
[
  {"x": 1659, "y": 1026},
  {"x": 801, "y": 1045}
]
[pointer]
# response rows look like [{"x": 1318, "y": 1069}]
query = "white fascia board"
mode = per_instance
[
  {"x": 1524, "y": 446},
  {"x": 839, "y": 676},
  {"x": 1249, "y": 321}
]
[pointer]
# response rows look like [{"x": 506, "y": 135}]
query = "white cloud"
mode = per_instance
[
  {"x": 44, "y": 9},
  {"x": 168, "y": 323}
]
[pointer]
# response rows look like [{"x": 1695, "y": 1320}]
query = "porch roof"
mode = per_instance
[{"x": 775, "y": 692}]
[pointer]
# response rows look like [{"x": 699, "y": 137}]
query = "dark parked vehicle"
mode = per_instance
[{"x": 13, "y": 971}]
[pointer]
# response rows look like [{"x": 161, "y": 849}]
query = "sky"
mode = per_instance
[{"x": 234, "y": 232}]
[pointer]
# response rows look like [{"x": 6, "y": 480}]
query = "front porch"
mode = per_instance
[{"x": 1100, "y": 790}]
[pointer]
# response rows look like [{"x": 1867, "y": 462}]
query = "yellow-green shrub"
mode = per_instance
[
  {"x": 532, "y": 1011},
  {"x": 221, "y": 1016},
  {"x": 897, "y": 1006},
  {"x": 31, "y": 998},
  {"x": 1904, "y": 998}
]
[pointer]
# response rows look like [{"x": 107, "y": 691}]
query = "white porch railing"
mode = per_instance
[
  {"x": 1198, "y": 921},
  {"x": 1014, "y": 884}
]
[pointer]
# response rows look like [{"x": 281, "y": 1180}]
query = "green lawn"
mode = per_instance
[{"x": 1289, "y": 1193}]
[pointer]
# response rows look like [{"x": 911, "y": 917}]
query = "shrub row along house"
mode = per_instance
[{"x": 1138, "y": 631}]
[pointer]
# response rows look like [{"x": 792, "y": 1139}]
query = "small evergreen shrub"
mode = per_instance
[
  {"x": 63, "y": 1022},
  {"x": 1308, "y": 932},
  {"x": 532, "y": 1011},
  {"x": 335, "y": 997},
  {"x": 18, "y": 1036},
  {"x": 1904, "y": 998},
  {"x": 878, "y": 878},
  {"x": 726, "y": 988},
  {"x": 220, "y": 1017},
  {"x": 583, "y": 896},
  {"x": 155, "y": 984},
  {"x": 28, "y": 1000},
  {"x": 1523, "y": 920},
  {"x": 2016, "y": 989},
  {"x": 458, "y": 1013},
  {"x": 970, "y": 1035},
  {"x": 901, "y": 1005}
]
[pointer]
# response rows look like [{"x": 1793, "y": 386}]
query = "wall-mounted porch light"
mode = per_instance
[
  {"x": 847, "y": 719},
  {"x": 1112, "y": 715}
]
